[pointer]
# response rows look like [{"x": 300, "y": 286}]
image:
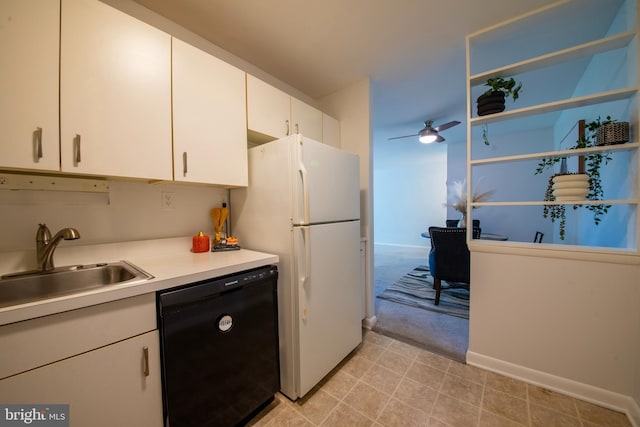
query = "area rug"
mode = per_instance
[{"x": 416, "y": 289}]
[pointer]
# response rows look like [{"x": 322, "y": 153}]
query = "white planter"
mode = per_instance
[{"x": 571, "y": 187}]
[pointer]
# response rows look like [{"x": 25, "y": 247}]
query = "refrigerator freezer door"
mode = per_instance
[
  {"x": 326, "y": 183},
  {"x": 330, "y": 294}
]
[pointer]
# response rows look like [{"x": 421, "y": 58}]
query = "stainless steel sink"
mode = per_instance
[{"x": 20, "y": 288}]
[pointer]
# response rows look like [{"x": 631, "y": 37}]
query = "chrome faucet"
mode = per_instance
[{"x": 45, "y": 245}]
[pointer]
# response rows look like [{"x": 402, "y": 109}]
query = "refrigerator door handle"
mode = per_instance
[
  {"x": 304, "y": 278},
  {"x": 305, "y": 186}
]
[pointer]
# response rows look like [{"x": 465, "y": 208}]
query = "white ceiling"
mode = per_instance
[{"x": 412, "y": 50}]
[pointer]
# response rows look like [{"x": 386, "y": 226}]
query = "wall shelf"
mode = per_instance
[
  {"x": 542, "y": 203},
  {"x": 602, "y": 79},
  {"x": 14, "y": 182},
  {"x": 556, "y": 106},
  {"x": 558, "y": 154},
  {"x": 570, "y": 54}
]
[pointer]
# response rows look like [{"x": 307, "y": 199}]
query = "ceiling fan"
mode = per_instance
[{"x": 430, "y": 134}]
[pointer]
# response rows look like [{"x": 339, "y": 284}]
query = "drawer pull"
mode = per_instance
[
  {"x": 37, "y": 137},
  {"x": 77, "y": 157},
  {"x": 184, "y": 163},
  {"x": 145, "y": 353}
]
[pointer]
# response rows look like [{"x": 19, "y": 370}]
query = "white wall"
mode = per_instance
[
  {"x": 131, "y": 211},
  {"x": 558, "y": 321},
  {"x": 411, "y": 182},
  {"x": 568, "y": 324},
  {"x": 352, "y": 106},
  {"x": 410, "y": 191}
]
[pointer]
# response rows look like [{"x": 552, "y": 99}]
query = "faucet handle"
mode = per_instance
[{"x": 43, "y": 234}]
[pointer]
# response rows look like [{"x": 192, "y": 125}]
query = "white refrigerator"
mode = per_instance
[{"x": 303, "y": 204}]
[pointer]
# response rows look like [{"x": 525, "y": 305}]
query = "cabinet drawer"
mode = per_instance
[{"x": 33, "y": 343}]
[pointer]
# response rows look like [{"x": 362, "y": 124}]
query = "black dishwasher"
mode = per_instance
[{"x": 219, "y": 341}]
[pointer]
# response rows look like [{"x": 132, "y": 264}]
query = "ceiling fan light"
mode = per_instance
[{"x": 427, "y": 136}]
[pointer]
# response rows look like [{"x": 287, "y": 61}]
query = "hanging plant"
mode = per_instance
[
  {"x": 493, "y": 100},
  {"x": 485, "y": 134},
  {"x": 593, "y": 165},
  {"x": 555, "y": 212}
]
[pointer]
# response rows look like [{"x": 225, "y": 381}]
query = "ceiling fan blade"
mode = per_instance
[
  {"x": 447, "y": 125},
  {"x": 440, "y": 139},
  {"x": 398, "y": 137}
]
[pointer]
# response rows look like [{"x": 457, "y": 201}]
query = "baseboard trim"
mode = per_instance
[
  {"x": 596, "y": 395},
  {"x": 398, "y": 245},
  {"x": 369, "y": 322}
]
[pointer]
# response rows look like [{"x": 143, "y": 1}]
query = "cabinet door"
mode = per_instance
[
  {"x": 209, "y": 119},
  {"x": 306, "y": 120},
  {"x": 330, "y": 131},
  {"x": 115, "y": 93},
  {"x": 268, "y": 109},
  {"x": 104, "y": 387},
  {"x": 29, "y": 40}
]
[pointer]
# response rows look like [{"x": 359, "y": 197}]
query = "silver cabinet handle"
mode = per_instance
[
  {"x": 287, "y": 122},
  {"x": 37, "y": 140},
  {"x": 145, "y": 355},
  {"x": 77, "y": 157},
  {"x": 184, "y": 163}
]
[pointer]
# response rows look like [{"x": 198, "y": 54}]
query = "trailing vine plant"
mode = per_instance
[
  {"x": 555, "y": 212},
  {"x": 593, "y": 166},
  {"x": 485, "y": 134}
]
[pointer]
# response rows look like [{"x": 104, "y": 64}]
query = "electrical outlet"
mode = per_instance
[{"x": 168, "y": 201}]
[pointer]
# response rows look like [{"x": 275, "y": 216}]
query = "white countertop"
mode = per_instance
[{"x": 170, "y": 261}]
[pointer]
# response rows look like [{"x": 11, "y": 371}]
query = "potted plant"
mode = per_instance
[
  {"x": 493, "y": 100},
  {"x": 458, "y": 199},
  {"x": 593, "y": 163},
  {"x": 609, "y": 132}
]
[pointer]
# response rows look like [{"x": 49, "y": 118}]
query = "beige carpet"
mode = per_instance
[{"x": 436, "y": 332}]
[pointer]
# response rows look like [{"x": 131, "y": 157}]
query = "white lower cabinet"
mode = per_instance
[
  {"x": 102, "y": 360},
  {"x": 119, "y": 384}
]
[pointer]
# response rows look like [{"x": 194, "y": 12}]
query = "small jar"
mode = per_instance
[{"x": 201, "y": 243}]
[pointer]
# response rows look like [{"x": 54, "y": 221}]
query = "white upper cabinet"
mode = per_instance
[
  {"x": 209, "y": 119},
  {"x": 268, "y": 109},
  {"x": 306, "y": 119},
  {"x": 115, "y": 93},
  {"x": 273, "y": 114},
  {"x": 29, "y": 39}
]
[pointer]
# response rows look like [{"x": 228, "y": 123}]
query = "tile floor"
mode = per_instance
[{"x": 386, "y": 382}]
